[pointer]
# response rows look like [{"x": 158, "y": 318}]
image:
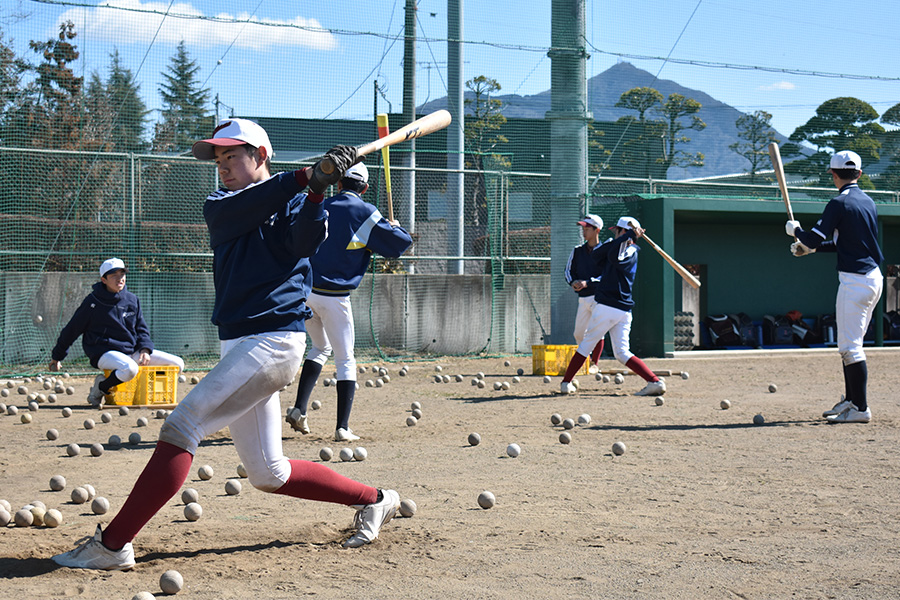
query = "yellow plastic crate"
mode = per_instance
[
  {"x": 153, "y": 386},
  {"x": 553, "y": 360}
]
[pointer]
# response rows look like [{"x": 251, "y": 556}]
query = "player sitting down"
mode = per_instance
[
  {"x": 612, "y": 314},
  {"x": 262, "y": 232}
]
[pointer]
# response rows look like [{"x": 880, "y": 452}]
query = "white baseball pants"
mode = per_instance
[
  {"x": 856, "y": 299},
  {"x": 241, "y": 393},
  {"x": 331, "y": 328},
  {"x": 606, "y": 319},
  {"x": 586, "y": 306},
  {"x": 126, "y": 367}
]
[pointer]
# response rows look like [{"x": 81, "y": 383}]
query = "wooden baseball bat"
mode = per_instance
[
  {"x": 384, "y": 131},
  {"x": 428, "y": 124},
  {"x": 693, "y": 281},
  {"x": 775, "y": 155}
]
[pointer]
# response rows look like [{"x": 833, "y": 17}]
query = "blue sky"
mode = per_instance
[{"x": 300, "y": 68}]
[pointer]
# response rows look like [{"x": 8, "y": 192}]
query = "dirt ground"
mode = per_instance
[{"x": 703, "y": 504}]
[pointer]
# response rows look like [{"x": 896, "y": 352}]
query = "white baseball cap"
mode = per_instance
[
  {"x": 592, "y": 220},
  {"x": 846, "y": 159},
  {"x": 233, "y": 132},
  {"x": 626, "y": 223},
  {"x": 358, "y": 172},
  {"x": 111, "y": 264}
]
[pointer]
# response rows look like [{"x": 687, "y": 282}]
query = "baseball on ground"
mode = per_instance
[
  {"x": 546, "y": 379},
  {"x": 725, "y": 404},
  {"x": 660, "y": 400},
  {"x": 189, "y": 495},
  {"x": 411, "y": 421},
  {"x": 346, "y": 454},
  {"x": 474, "y": 439},
  {"x": 565, "y": 437},
  {"x": 486, "y": 499},
  {"x": 171, "y": 582},
  {"x": 326, "y": 454},
  {"x": 232, "y": 487},
  {"x": 773, "y": 388},
  {"x": 73, "y": 449},
  {"x": 57, "y": 483},
  {"x": 513, "y": 450},
  {"x": 80, "y": 495},
  {"x": 568, "y": 424},
  {"x": 205, "y": 472},
  {"x": 555, "y": 418},
  {"x": 407, "y": 508},
  {"x": 100, "y": 505},
  {"x": 618, "y": 448},
  {"x": 193, "y": 511},
  {"x": 360, "y": 453},
  {"x": 241, "y": 471},
  {"x": 53, "y": 518}
]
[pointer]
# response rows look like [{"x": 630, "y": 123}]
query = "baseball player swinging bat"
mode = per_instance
[
  {"x": 427, "y": 124},
  {"x": 685, "y": 274},
  {"x": 775, "y": 156},
  {"x": 384, "y": 131}
]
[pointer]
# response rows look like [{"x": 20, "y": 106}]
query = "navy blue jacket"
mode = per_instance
[
  {"x": 582, "y": 266},
  {"x": 851, "y": 221},
  {"x": 105, "y": 321},
  {"x": 619, "y": 261},
  {"x": 262, "y": 237},
  {"x": 355, "y": 230}
]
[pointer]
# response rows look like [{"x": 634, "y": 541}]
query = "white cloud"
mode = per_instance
[
  {"x": 778, "y": 86},
  {"x": 184, "y": 22}
]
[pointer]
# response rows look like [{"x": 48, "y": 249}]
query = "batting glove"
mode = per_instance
[
  {"x": 343, "y": 157},
  {"x": 799, "y": 249},
  {"x": 790, "y": 226}
]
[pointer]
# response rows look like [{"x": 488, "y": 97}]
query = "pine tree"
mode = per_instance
[{"x": 185, "y": 117}]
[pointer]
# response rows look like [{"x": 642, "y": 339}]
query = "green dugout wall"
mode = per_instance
[{"x": 744, "y": 259}]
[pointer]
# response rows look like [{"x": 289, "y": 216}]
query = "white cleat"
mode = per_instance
[
  {"x": 567, "y": 387},
  {"x": 345, "y": 435},
  {"x": 95, "y": 396},
  {"x": 92, "y": 554},
  {"x": 654, "y": 388},
  {"x": 297, "y": 421},
  {"x": 371, "y": 518},
  {"x": 852, "y": 415}
]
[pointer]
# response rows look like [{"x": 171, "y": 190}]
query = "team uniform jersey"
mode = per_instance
[
  {"x": 356, "y": 230},
  {"x": 848, "y": 226},
  {"x": 262, "y": 237},
  {"x": 619, "y": 260},
  {"x": 582, "y": 267},
  {"x": 106, "y": 321}
]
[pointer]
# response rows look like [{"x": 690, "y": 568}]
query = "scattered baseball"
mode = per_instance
[
  {"x": 725, "y": 404},
  {"x": 619, "y": 378},
  {"x": 361, "y": 369},
  {"x": 51, "y": 398},
  {"x": 684, "y": 375},
  {"x": 506, "y": 363},
  {"x": 407, "y": 508},
  {"x": 438, "y": 368},
  {"x": 584, "y": 419},
  {"x": 486, "y": 499},
  {"x": 382, "y": 371},
  {"x": 39, "y": 503},
  {"x": 142, "y": 422},
  {"x": 23, "y": 390},
  {"x": 92, "y": 493},
  {"x": 12, "y": 410},
  {"x": 326, "y": 454},
  {"x": 546, "y": 379},
  {"x": 57, "y": 483},
  {"x": 618, "y": 448},
  {"x": 96, "y": 449},
  {"x": 205, "y": 472},
  {"x": 143, "y": 596},
  {"x": 773, "y": 388},
  {"x": 379, "y": 382},
  {"x": 346, "y": 454},
  {"x": 370, "y": 383},
  {"x": 233, "y": 487},
  {"x": 6, "y": 505},
  {"x": 411, "y": 421},
  {"x": 193, "y": 511},
  {"x": 189, "y": 495},
  {"x": 759, "y": 420},
  {"x": 520, "y": 371},
  {"x": 134, "y": 438},
  {"x": 123, "y": 411},
  {"x": 555, "y": 418},
  {"x": 505, "y": 385},
  {"x": 474, "y": 381},
  {"x": 498, "y": 385},
  {"x": 516, "y": 379},
  {"x": 513, "y": 450},
  {"x": 114, "y": 441},
  {"x": 480, "y": 386},
  {"x": 171, "y": 582},
  {"x": 417, "y": 413},
  {"x": 605, "y": 379},
  {"x": 80, "y": 495},
  {"x": 23, "y": 517},
  {"x": 474, "y": 439},
  {"x": 315, "y": 404},
  {"x": 73, "y": 449},
  {"x": 70, "y": 390},
  {"x": 415, "y": 405},
  {"x": 26, "y": 418},
  {"x": 241, "y": 471},
  {"x": 403, "y": 372},
  {"x": 38, "y": 319},
  {"x": 160, "y": 414},
  {"x": 182, "y": 378},
  {"x": 100, "y": 505},
  {"x": 195, "y": 380},
  {"x": 5, "y": 517},
  {"x": 53, "y": 518},
  {"x": 438, "y": 379},
  {"x": 458, "y": 378},
  {"x": 479, "y": 375},
  {"x": 360, "y": 453},
  {"x": 326, "y": 382},
  {"x": 33, "y": 406},
  {"x": 565, "y": 437},
  {"x": 568, "y": 424},
  {"x": 659, "y": 400},
  {"x": 37, "y": 515},
  {"x": 67, "y": 412}
]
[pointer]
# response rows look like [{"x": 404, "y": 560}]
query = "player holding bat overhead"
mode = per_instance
[
  {"x": 262, "y": 232},
  {"x": 612, "y": 314},
  {"x": 851, "y": 214},
  {"x": 356, "y": 229}
]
